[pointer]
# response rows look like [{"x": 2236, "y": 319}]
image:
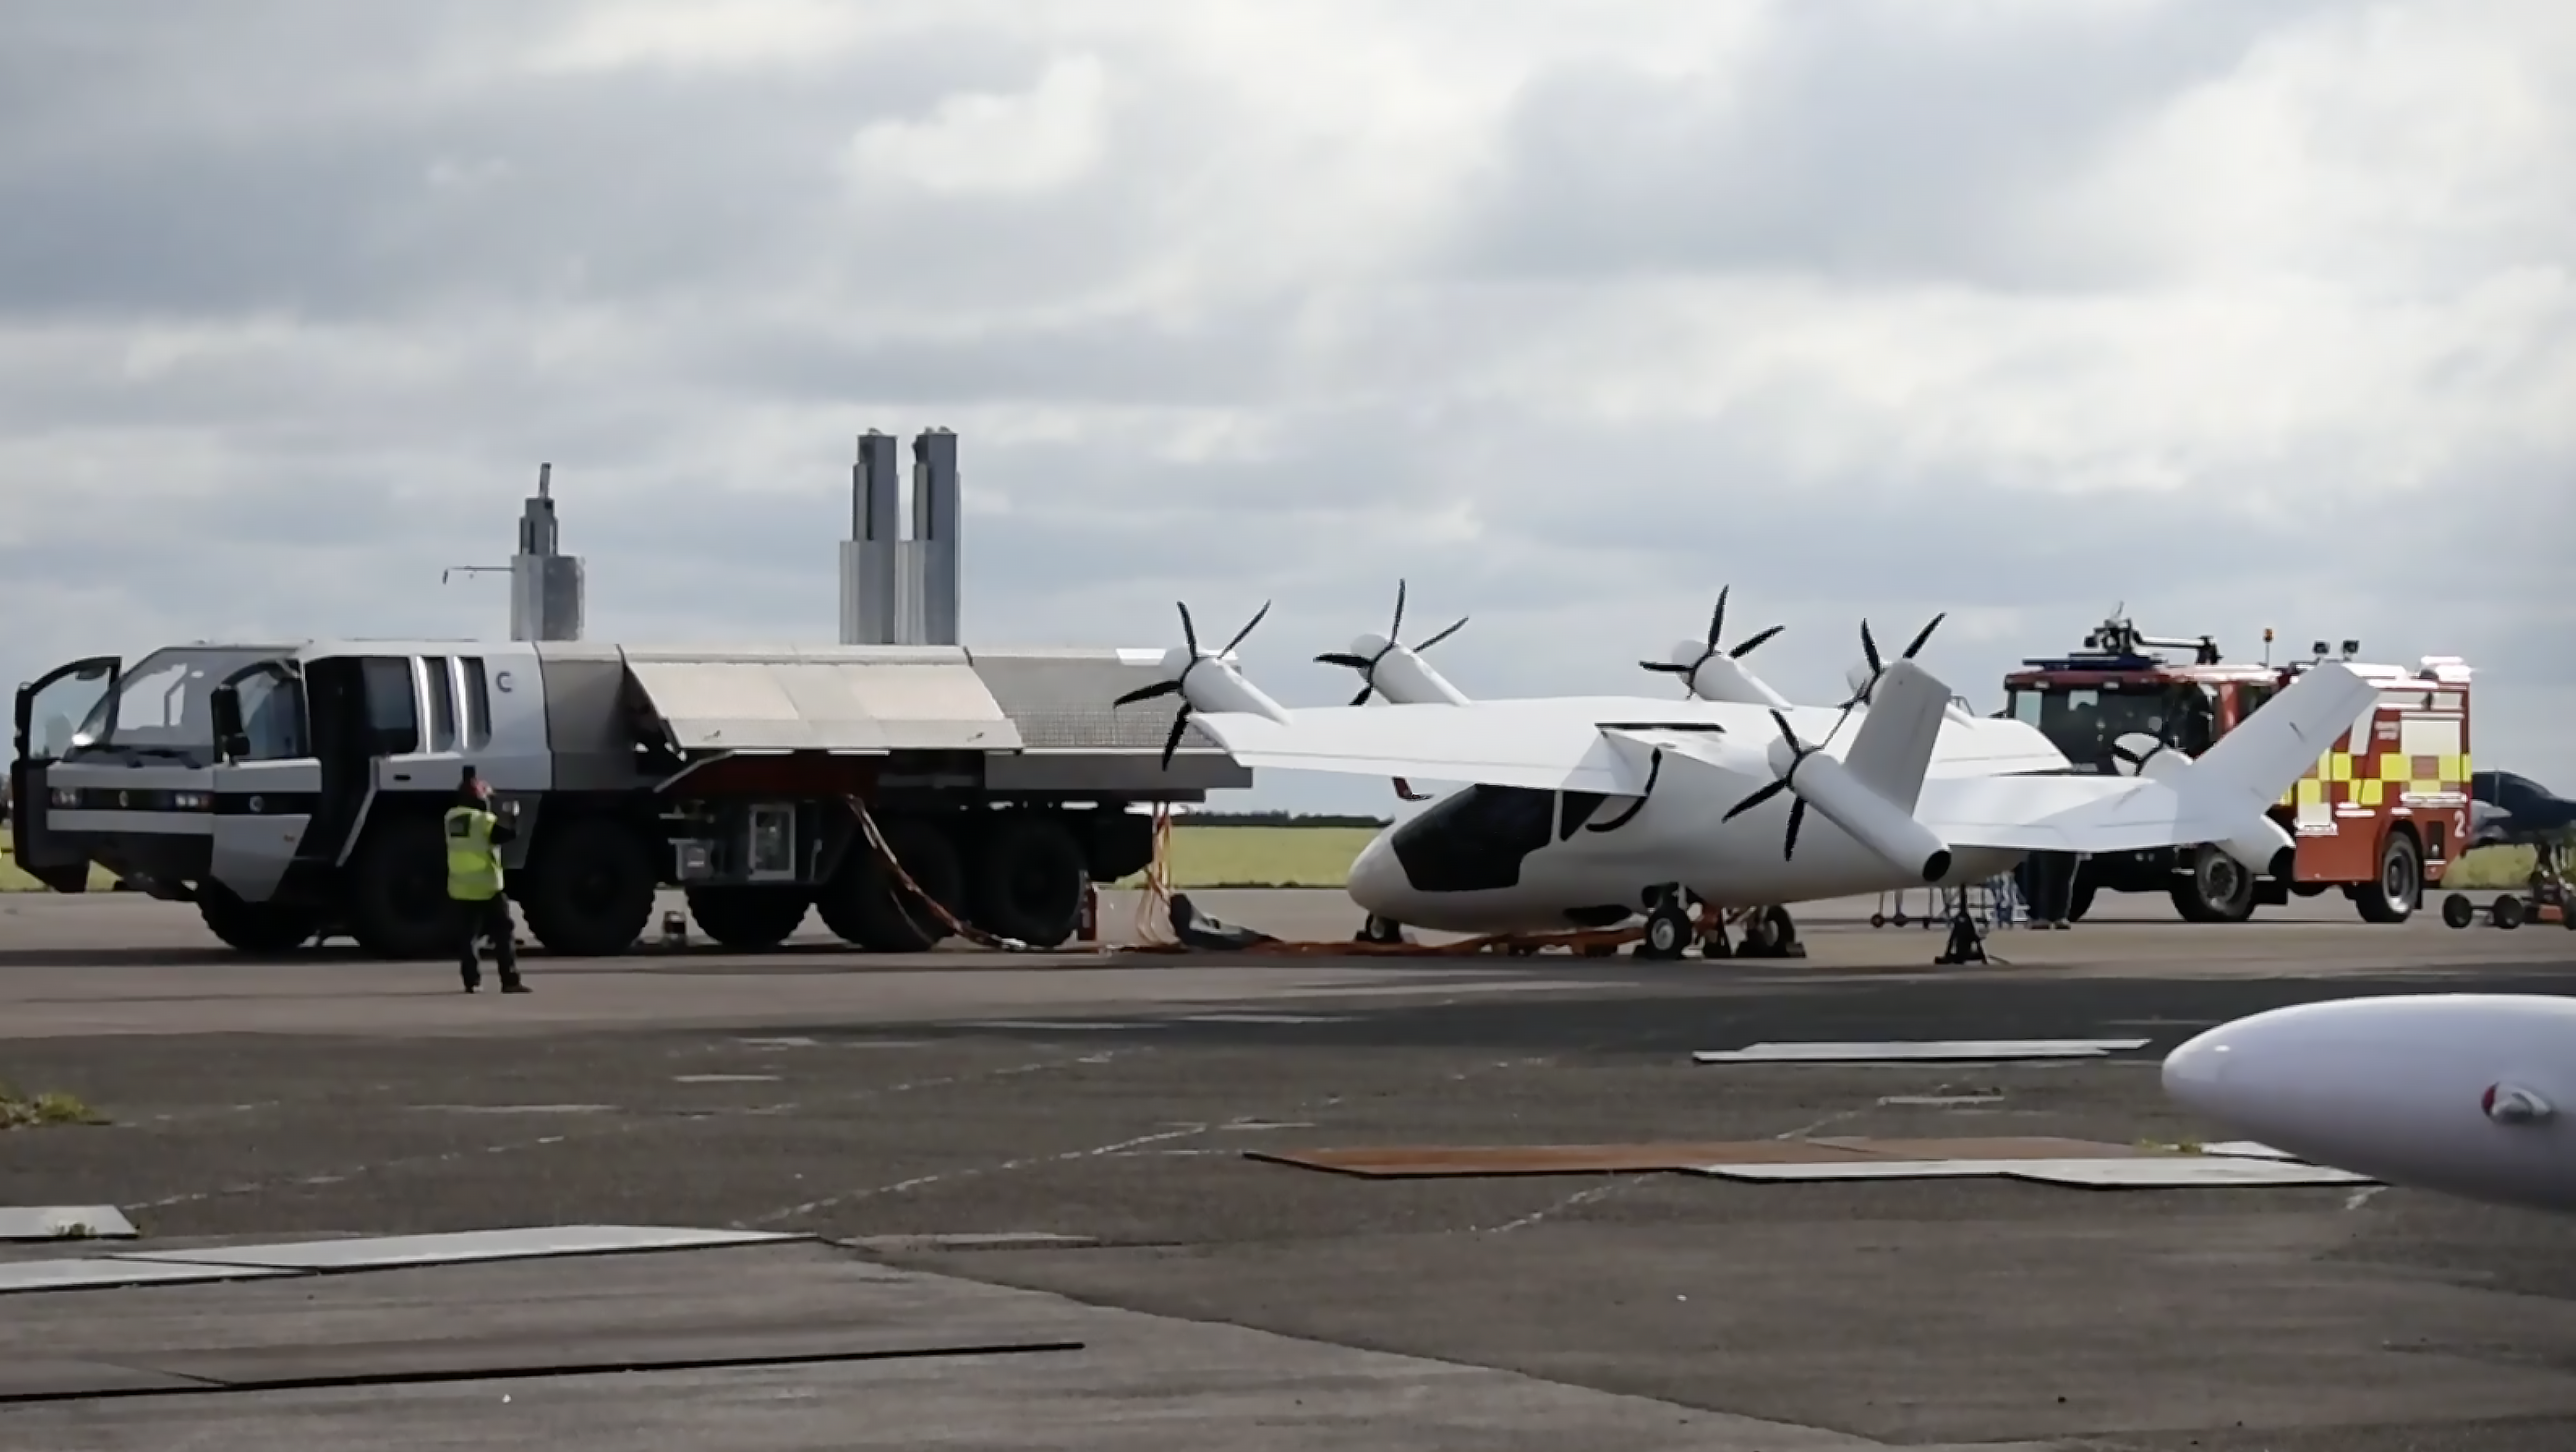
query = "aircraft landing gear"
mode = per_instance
[
  {"x": 1771, "y": 933},
  {"x": 1669, "y": 929},
  {"x": 1376, "y": 929}
]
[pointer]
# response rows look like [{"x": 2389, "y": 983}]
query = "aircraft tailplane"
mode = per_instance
[
  {"x": 2250, "y": 767},
  {"x": 1893, "y": 752}
]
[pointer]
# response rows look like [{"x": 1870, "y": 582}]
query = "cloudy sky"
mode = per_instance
[{"x": 2244, "y": 314}]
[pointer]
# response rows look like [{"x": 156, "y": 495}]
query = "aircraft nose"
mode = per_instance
[
  {"x": 2200, "y": 1075},
  {"x": 1377, "y": 881}
]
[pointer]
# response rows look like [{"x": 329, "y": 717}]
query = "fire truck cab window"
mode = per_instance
[
  {"x": 2084, "y": 722},
  {"x": 1474, "y": 840}
]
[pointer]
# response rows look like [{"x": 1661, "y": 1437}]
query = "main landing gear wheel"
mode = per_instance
[
  {"x": 1669, "y": 932},
  {"x": 2218, "y": 889}
]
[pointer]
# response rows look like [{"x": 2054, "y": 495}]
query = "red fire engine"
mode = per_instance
[{"x": 2379, "y": 816}]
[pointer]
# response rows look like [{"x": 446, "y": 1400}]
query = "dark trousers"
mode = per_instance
[
  {"x": 2051, "y": 886},
  {"x": 488, "y": 918}
]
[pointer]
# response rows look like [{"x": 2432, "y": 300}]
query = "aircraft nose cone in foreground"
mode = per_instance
[{"x": 2468, "y": 1094}]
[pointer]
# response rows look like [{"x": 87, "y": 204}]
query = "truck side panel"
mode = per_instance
[
  {"x": 586, "y": 721},
  {"x": 2408, "y": 761}
]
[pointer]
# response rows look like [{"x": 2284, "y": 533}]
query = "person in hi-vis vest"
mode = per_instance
[{"x": 474, "y": 885}]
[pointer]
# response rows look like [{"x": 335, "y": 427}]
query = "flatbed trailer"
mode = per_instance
[{"x": 294, "y": 790}]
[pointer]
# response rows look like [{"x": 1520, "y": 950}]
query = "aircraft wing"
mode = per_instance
[
  {"x": 1560, "y": 744},
  {"x": 2063, "y": 814}
]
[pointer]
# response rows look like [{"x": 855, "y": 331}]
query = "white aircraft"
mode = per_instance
[
  {"x": 2463, "y": 1093},
  {"x": 1575, "y": 800}
]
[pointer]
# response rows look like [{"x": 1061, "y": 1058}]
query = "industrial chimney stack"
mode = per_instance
[
  {"x": 545, "y": 584},
  {"x": 897, "y": 591}
]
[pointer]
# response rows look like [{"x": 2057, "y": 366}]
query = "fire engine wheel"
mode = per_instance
[
  {"x": 265, "y": 928},
  {"x": 2218, "y": 889},
  {"x": 863, "y": 905},
  {"x": 589, "y": 889},
  {"x": 1029, "y": 880},
  {"x": 749, "y": 919},
  {"x": 2394, "y": 895},
  {"x": 398, "y": 904}
]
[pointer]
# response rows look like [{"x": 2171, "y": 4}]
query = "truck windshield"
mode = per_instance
[
  {"x": 160, "y": 707},
  {"x": 2083, "y": 721}
]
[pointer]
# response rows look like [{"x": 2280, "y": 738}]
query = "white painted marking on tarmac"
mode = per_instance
[
  {"x": 518, "y": 1108},
  {"x": 793, "y": 1042},
  {"x": 103, "y": 1272},
  {"x": 64, "y": 1222},
  {"x": 1267, "y": 1018},
  {"x": 1858, "y": 1170},
  {"x": 1916, "y": 1051},
  {"x": 918, "y": 1182},
  {"x": 724, "y": 1078},
  {"x": 1066, "y": 1025},
  {"x": 376, "y": 1252},
  {"x": 2179, "y": 1172}
]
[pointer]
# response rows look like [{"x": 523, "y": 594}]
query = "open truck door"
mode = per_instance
[
  {"x": 264, "y": 761},
  {"x": 49, "y": 709}
]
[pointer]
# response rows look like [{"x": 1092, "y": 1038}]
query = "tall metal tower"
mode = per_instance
[{"x": 546, "y": 585}]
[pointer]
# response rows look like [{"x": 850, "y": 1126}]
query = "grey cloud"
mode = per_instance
[{"x": 1871, "y": 141}]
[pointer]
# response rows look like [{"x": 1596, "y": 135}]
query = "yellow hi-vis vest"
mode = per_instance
[{"x": 473, "y": 863}]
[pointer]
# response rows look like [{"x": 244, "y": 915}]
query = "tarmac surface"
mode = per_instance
[{"x": 1000, "y": 1155}]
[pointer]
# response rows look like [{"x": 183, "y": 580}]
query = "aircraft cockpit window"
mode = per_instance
[{"x": 1474, "y": 840}]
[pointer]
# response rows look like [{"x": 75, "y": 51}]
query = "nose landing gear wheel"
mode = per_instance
[{"x": 1375, "y": 929}]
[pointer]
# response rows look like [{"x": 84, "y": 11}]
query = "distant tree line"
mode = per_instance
[{"x": 1187, "y": 818}]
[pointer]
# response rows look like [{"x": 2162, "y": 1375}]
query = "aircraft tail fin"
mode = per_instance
[
  {"x": 2267, "y": 753},
  {"x": 1893, "y": 752}
]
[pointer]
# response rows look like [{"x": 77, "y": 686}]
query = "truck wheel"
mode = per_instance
[
  {"x": 2393, "y": 897},
  {"x": 2218, "y": 889},
  {"x": 860, "y": 903},
  {"x": 749, "y": 918},
  {"x": 589, "y": 889},
  {"x": 398, "y": 905},
  {"x": 1029, "y": 881},
  {"x": 265, "y": 928}
]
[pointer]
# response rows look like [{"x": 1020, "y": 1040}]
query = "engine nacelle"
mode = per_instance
[
  {"x": 1870, "y": 819},
  {"x": 1211, "y": 683},
  {"x": 2257, "y": 846},
  {"x": 1723, "y": 678},
  {"x": 1404, "y": 677}
]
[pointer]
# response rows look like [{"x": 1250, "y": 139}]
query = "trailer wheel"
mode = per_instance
[
  {"x": 2458, "y": 911},
  {"x": 1029, "y": 880},
  {"x": 2218, "y": 889},
  {"x": 2507, "y": 912},
  {"x": 264, "y": 928},
  {"x": 860, "y": 903},
  {"x": 748, "y": 919},
  {"x": 2392, "y": 897},
  {"x": 590, "y": 888},
  {"x": 398, "y": 904}
]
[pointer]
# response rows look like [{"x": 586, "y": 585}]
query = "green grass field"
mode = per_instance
[
  {"x": 1205, "y": 857},
  {"x": 12, "y": 880}
]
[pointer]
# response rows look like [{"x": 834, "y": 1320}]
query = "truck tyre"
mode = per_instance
[
  {"x": 2217, "y": 889},
  {"x": 749, "y": 919},
  {"x": 589, "y": 889},
  {"x": 2392, "y": 897},
  {"x": 1029, "y": 880},
  {"x": 267, "y": 929},
  {"x": 398, "y": 905},
  {"x": 860, "y": 904}
]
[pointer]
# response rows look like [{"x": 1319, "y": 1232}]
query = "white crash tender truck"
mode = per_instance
[{"x": 291, "y": 791}]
